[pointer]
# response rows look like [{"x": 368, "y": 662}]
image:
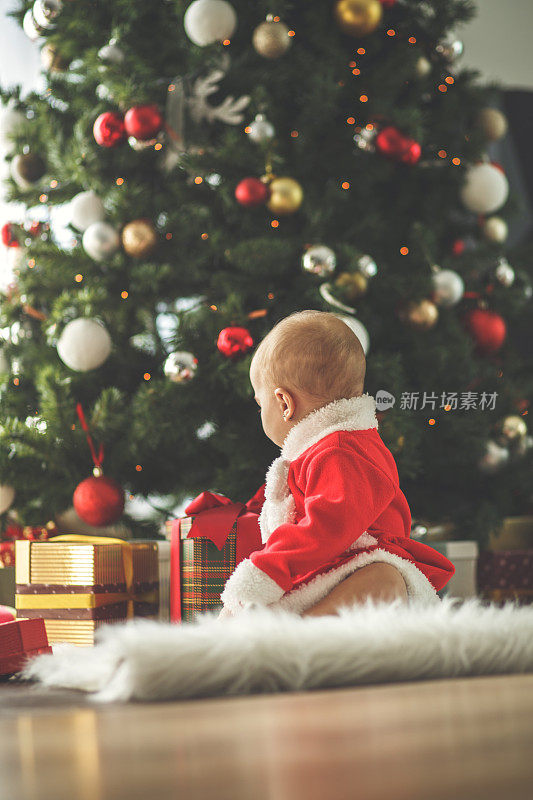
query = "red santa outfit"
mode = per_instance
[{"x": 333, "y": 504}]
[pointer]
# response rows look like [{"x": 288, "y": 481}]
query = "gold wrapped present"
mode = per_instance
[{"x": 78, "y": 583}]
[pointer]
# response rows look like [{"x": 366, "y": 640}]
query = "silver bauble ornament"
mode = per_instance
[
  {"x": 319, "y": 260},
  {"x": 260, "y": 130},
  {"x": 208, "y": 21},
  {"x": 495, "y": 229},
  {"x": 451, "y": 49},
  {"x": 111, "y": 53},
  {"x": 513, "y": 428},
  {"x": 181, "y": 366},
  {"x": 29, "y": 27},
  {"x": 492, "y": 123},
  {"x": 367, "y": 266},
  {"x": 504, "y": 273},
  {"x": 45, "y": 13},
  {"x": 86, "y": 208},
  {"x": 100, "y": 240},
  {"x": 84, "y": 344},
  {"x": 359, "y": 329},
  {"x": 448, "y": 287}
]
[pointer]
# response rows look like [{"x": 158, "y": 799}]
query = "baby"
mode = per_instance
[{"x": 333, "y": 504}]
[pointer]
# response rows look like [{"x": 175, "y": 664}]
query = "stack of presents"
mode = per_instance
[{"x": 66, "y": 587}]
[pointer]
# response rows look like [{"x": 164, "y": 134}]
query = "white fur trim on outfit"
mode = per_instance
[
  {"x": 249, "y": 584},
  {"x": 347, "y": 414},
  {"x": 246, "y": 584}
]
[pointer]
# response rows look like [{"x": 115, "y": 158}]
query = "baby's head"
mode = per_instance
[{"x": 306, "y": 361}]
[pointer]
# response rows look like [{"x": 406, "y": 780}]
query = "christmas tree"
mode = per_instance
[{"x": 221, "y": 165}]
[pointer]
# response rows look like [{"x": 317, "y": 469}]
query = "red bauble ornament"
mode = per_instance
[
  {"x": 233, "y": 341},
  {"x": 99, "y": 500},
  {"x": 392, "y": 143},
  {"x": 109, "y": 129},
  {"x": 487, "y": 328},
  {"x": 458, "y": 247},
  {"x": 252, "y": 192},
  {"x": 143, "y": 122},
  {"x": 8, "y": 235}
]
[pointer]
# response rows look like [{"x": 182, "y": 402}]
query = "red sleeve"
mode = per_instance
[{"x": 344, "y": 494}]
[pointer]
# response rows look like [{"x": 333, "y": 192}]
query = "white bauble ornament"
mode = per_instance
[
  {"x": 7, "y": 495},
  {"x": 495, "y": 229},
  {"x": 86, "y": 208},
  {"x": 45, "y": 13},
  {"x": 448, "y": 287},
  {"x": 181, "y": 366},
  {"x": 493, "y": 123},
  {"x": 29, "y": 27},
  {"x": 111, "y": 53},
  {"x": 100, "y": 240},
  {"x": 260, "y": 130},
  {"x": 485, "y": 188},
  {"x": 10, "y": 122},
  {"x": 359, "y": 329},
  {"x": 319, "y": 260},
  {"x": 103, "y": 93},
  {"x": 208, "y": 21},
  {"x": 84, "y": 344}
]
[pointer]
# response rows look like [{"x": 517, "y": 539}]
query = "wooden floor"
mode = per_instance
[{"x": 470, "y": 738}]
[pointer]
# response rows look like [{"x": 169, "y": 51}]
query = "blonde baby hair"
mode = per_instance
[{"x": 314, "y": 352}]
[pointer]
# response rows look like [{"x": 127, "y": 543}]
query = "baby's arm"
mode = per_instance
[{"x": 344, "y": 494}]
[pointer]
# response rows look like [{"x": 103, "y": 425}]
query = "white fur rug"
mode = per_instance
[{"x": 272, "y": 651}]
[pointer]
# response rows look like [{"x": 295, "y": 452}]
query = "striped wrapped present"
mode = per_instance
[{"x": 205, "y": 548}]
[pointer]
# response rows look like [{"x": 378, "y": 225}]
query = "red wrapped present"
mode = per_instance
[
  {"x": 506, "y": 574},
  {"x": 19, "y": 640},
  {"x": 205, "y": 548}
]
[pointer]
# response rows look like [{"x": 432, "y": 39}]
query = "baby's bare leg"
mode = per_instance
[{"x": 378, "y": 580}]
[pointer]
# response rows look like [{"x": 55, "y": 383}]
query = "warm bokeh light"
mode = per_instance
[
  {"x": 213, "y": 308},
  {"x": 168, "y": 236},
  {"x": 53, "y": 184},
  {"x": 442, "y": 154},
  {"x": 391, "y": 32},
  {"x": 138, "y": 467},
  {"x": 119, "y": 181},
  {"x": 198, "y": 179},
  {"x": 431, "y": 421},
  {"x": 158, "y": 146},
  {"x": 412, "y": 40},
  {"x": 205, "y": 236},
  {"x": 456, "y": 161},
  {"x": 345, "y": 185},
  {"x": 449, "y": 80},
  {"x": 275, "y": 223},
  {"x": 404, "y": 250},
  {"x": 294, "y": 134},
  {"x": 147, "y": 376},
  {"x": 124, "y": 295},
  {"x": 270, "y": 296},
  {"x": 43, "y": 198},
  {"x": 351, "y": 120},
  {"x": 356, "y": 71},
  {"x": 361, "y": 51},
  {"x": 443, "y": 88},
  {"x": 363, "y": 98},
  {"x": 78, "y": 278}
]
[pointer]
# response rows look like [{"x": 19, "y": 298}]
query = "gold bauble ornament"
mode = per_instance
[
  {"x": 271, "y": 39},
  {"x": 358, "y": 17},
  {"x": 493, "y": 123},
  {"x": 286, "y": 196},
  {"x": 139, "y": 238},
  {"x": 52, "y": 60},
  {"x": 353, "y": 284},
  {"x": 513, "y": 428},
  {"x": 420, "y": 314}
]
